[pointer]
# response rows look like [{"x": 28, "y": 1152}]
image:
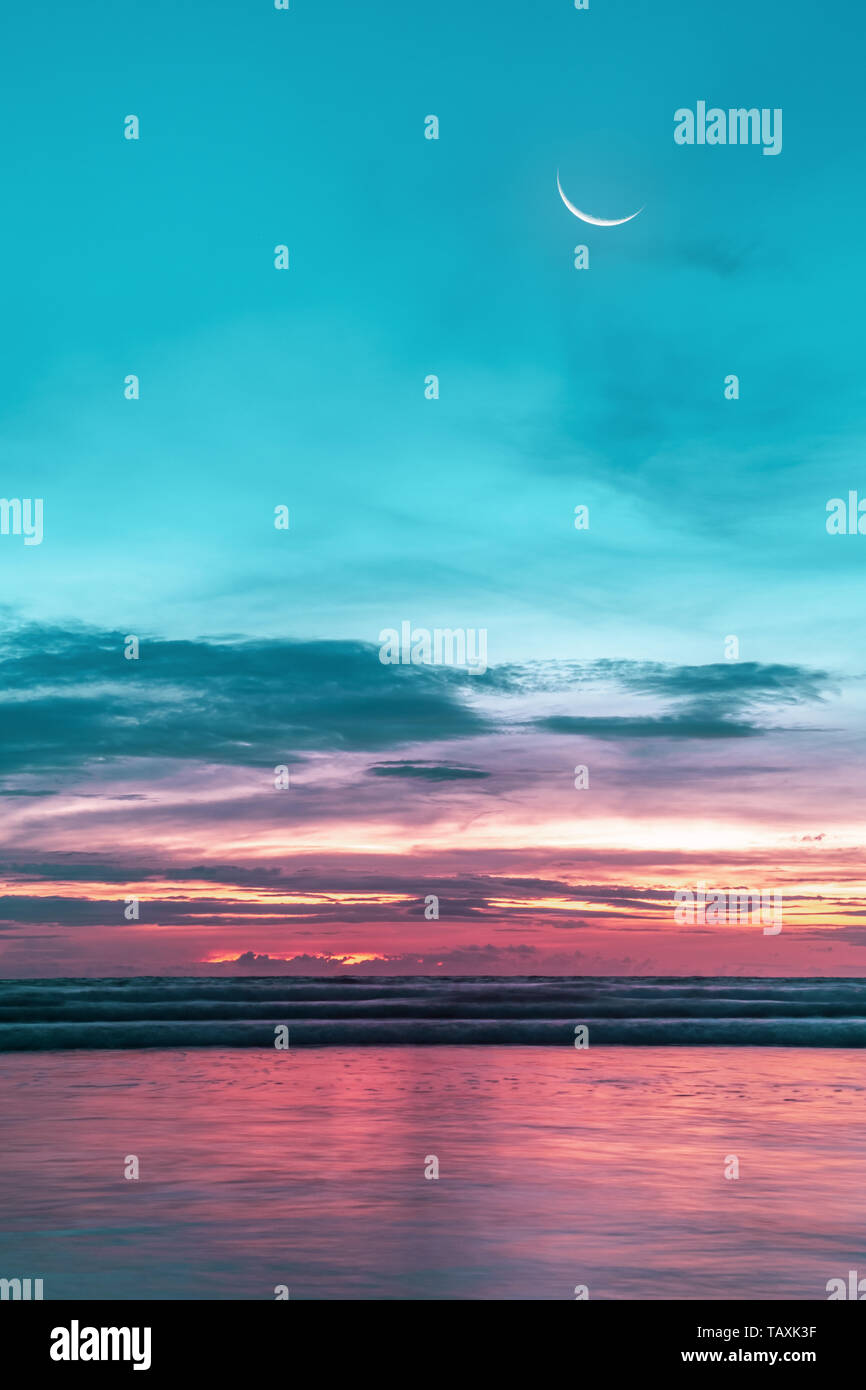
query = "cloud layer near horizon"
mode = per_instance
[{"x": 165, "y": 767}]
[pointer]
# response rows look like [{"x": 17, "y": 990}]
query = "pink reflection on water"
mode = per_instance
[{"x": 558, "y": 1167}]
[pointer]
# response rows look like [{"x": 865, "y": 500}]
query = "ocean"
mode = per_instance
[
  {"x": 45, "y": 1015},
  {"x": 709, "y": 1169}
]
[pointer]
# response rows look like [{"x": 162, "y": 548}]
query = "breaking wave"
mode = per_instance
[{"x": 187, "y": 1012}]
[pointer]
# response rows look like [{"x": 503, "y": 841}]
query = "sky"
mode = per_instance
[{"x": 608, "y": 648}]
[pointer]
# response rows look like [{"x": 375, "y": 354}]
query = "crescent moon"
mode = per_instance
[{"x": 595, "y": 221}]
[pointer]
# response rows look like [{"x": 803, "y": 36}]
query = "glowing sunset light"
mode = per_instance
[
  {"x": 190, "y": 890},
  {"x": 354, "y": 958}
]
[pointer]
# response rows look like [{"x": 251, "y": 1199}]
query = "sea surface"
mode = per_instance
[
  {"x": 244, "y": 1012},
  {"x": 691, "y": 1171}
]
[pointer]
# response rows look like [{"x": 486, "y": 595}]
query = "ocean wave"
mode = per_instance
[{"x": 191, "y": 1012}]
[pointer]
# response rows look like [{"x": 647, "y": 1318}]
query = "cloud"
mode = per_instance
[
  {"x": 461, "y": 960},
  {"x": 71, "y": 698},
  {"x": 72, "y": 701},
  {"x": 622, "y": 727},
  {"x": 430, "y": 772},
  {"x": 320, "y": 904},
  {"x": 18, "y": 791},
  {"x": 720, "y": 700},
  {"x": 741, "y": 682}
]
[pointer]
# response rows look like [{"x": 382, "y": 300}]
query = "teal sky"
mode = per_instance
[{"x": 411, "y": 256}]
